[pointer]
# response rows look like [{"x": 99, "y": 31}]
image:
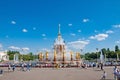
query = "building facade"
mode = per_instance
[
  {"x": 4, "y": 56},
  {"x": 59, "y": 45}
]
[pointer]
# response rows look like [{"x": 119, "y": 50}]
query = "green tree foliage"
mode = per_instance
[
  {"x": 88, "y": 56},
  {"x": 116, "y": 48},
  {"x": 25, "y": 57},
  {"x": 109, "y": 53},
  {"x": 104, "y": 51},
  {"x": 28, "y": 57},
  {"x": 82, "y": 56},
  {"x": 11, "y": 54}
]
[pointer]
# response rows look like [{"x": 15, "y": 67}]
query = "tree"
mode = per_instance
[
  {"x": 11, "y": 54},
  {"x": 82, "y": 56},
  {"x": 28, "y": 57},
  {"x": 108, "y": 55},
  {"x": 117, "y": 51},
  {"x": 104, "y": 51},
  {"x": 90, "y": 56},
  {"x": 108, "y": 52},
  {"x": 116, "y": 48},
  {"x": 31, "y": 56}
]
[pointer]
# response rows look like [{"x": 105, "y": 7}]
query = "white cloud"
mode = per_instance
[
  {"x": 116, "y": 26},
  {"x": 118, "y": 42},
  {"x": 34, "y": 28},
  {"x": 86, "y": 20},
  {"x": 45, "y": 38},
  {"x": 69, "y": 24},
  {"x": 99, "y": 37},
  {"x": 25, "y": 30},
  {"x": 45, "y": 49},
  {"x": 43, "y": 35},
  {"x": 95, "y": 31},
  {"x": 109, "y": 32},
  {"x": 81, "y": 39},
  {"x": 72, "y": 34},
  {"x": 25, "y": 49},
  {"x": 7, "y": 36},
  {"x": 14, "y": 48},
  {"x": 80, "y": 44},
  {"x": 13, "y": 22},
  {"x": 79, "y": 30},
  {"x": 1, "y": 46}
]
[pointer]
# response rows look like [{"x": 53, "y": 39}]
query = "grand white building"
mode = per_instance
[{"x": 60, "y": 53}]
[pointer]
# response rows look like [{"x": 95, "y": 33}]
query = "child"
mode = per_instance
[
  {"x": 104, "y": 75},
  {"x": 115, "y": 72},
  {"x": 13, "y": 67}
]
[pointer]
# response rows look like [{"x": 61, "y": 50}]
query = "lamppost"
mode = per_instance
[
  {"x": 36, "y": 55},
  {"x": 71, "y": 56},
  {"x": 105, "y": 58},
  {"x": 21, "y": 57},
  {"x": 97, "y": 55},
  {"x": 82, "y": 52},
  {"x": 64, "y": 58},
  {"x": 117, "y": 56},
  {"x": 81, "y": 57}
]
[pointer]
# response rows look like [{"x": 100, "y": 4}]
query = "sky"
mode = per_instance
[{"x": 32, "y": 25}]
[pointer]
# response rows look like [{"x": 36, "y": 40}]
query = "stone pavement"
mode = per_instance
[{"x": 57, "y": 74}]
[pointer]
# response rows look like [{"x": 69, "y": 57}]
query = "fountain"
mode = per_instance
[
  {"x": 60, "y": 54},
  {"x": 16, "y": 58}
]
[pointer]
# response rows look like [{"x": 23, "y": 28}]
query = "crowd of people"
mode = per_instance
[
  {"x": 116, "y": 73},
  {"x": 12, "y": 67},
  {"x": 27, "y": 67}
]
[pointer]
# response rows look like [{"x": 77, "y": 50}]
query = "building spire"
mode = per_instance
[{"x": 59, "y": 33}]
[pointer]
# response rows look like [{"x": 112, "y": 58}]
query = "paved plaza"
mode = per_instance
[{"x": 57, "y": 74}]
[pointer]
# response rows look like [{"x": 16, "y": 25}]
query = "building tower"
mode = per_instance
[{"x": 59, "y": 45}]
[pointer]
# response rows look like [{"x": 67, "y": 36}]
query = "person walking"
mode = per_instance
[
  {"x": 1, "y": 72},
  {"x": 101, "y": 65},
  {"x": 22, "y": 67},
  {"x": 28, "y": 67},
  {"x": 13, "y": 67},
  {"x": 9, "y": 67},
  {"x": 115, "y": 72},
  {"x": 104, "y": 75}
]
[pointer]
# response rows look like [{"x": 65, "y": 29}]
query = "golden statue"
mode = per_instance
[
  {"x": 78, "y": 56},
  {"x": 55, "y": 55},
  {"x": 46, "y": 56},
  {"x": 40, "y": 56}
]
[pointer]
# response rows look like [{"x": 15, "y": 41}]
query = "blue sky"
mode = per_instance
[{"x": 32, "y": 25}]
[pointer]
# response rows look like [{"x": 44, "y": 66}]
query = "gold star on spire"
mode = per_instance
[{"x": 59, "y": 33}]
